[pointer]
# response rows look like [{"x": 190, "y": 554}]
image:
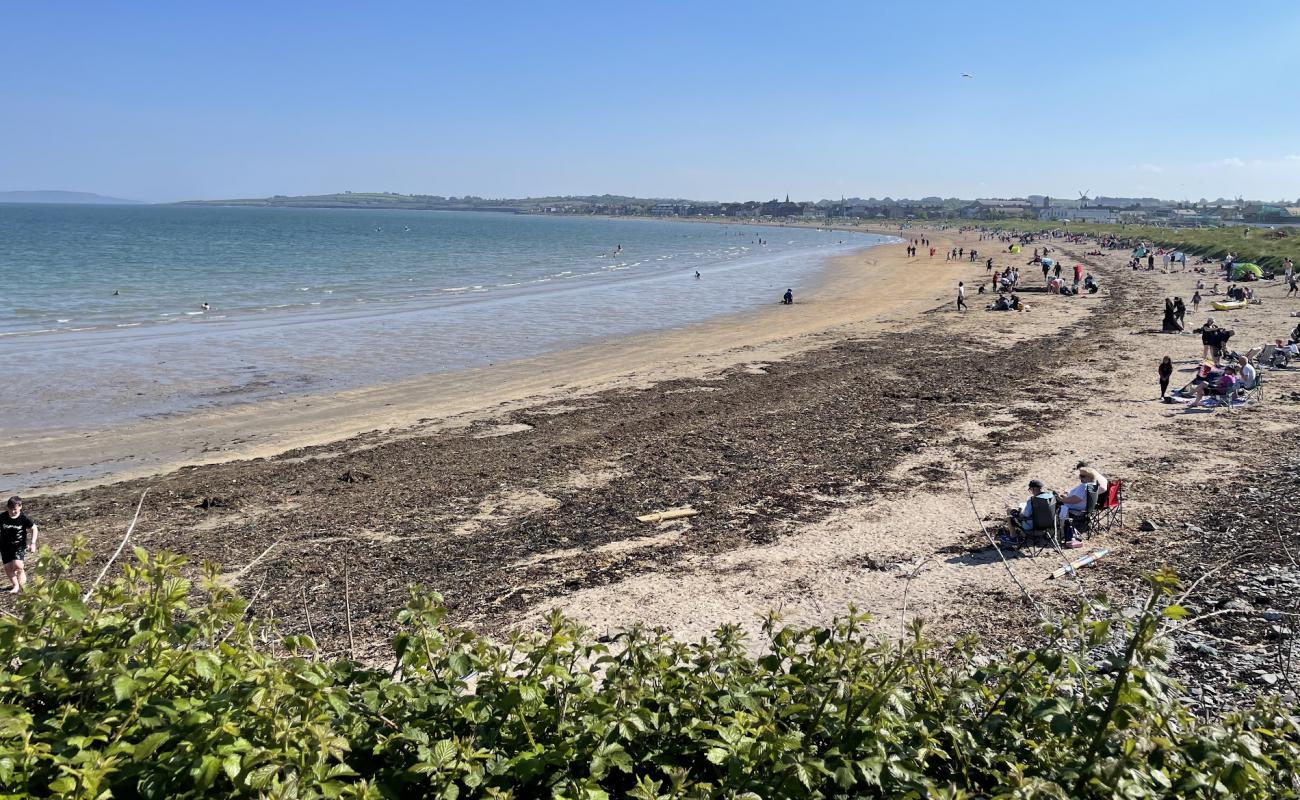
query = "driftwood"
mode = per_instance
[
  {"x": 664, "y": 516},
  {"x": 1079, "y": 563}
]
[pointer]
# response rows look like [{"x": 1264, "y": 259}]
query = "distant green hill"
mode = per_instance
[
  {"x": 54, "y": 196},
  {"x": 429, "y": 202}
]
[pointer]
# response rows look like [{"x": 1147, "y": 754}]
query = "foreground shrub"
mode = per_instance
[{"x": 143, "y": 692}]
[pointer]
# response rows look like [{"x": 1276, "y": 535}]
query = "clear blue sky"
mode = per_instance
[{"x": 165, "y": 100}]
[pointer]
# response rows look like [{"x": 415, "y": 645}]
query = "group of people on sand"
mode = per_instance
[
  {"x": 1175, "y": 314},
  {"x": 1069, "y": 506}
]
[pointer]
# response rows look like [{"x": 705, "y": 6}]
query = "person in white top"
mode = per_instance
[{"x": 1248, "y": 372}]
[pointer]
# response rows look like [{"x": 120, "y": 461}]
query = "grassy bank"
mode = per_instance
[
  {"x": 137, "y": 691},
  {"x": 1264, "y": 246}
]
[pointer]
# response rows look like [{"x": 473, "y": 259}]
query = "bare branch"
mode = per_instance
[
  {"x": 85, "y": 597},
  {"x": 970, "y": 494}
]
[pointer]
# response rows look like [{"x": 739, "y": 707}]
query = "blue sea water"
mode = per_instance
[{"x": 101, "y": 318}]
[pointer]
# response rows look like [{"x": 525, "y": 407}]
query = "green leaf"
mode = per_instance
[
  {"x": 261, "y": 777},
  {"x": 123, "y": 687},
  {"x": 74, "y": 608},
  {"x": 206, "y": 665},
  {"x": 444, "y": 753},
  {"x": 149, "y": 744},
  {"x": 717, "y": 755},
  {"x": 62, "y": 785}
]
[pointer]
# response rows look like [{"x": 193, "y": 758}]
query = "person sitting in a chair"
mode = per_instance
[
  {"x": 1075, "y": 504},
  {"x": 1024, "y": 516},
  {"x": 1224, "y": 386}
]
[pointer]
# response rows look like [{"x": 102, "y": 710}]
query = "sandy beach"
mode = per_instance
[{"x": 826, "y": 446}]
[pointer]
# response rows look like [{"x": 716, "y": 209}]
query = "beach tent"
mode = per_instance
[
  {"x": 1240, "y": 271},
  {"x": 1015, "y": 248},
  {"x": 1139, "y": 252}
]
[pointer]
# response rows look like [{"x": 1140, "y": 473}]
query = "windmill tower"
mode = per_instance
[{"x": 1083, "y": 199}]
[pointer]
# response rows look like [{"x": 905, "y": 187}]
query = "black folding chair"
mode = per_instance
[
  {"x": 1044, "y": 534},
  {"x": 1083, "y": 520}
]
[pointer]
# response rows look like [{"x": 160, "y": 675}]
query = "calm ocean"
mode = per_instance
[{"x": 102, "y": 321}]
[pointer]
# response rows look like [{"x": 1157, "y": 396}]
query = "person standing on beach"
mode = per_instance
[
  {"x": 1292, "y": 285},
  {"x": 961, "y": 296},
  {"x": 15, "y": 526},
  {"x": 1196, "y": 301},
  {"x": 1166, "y": 369}
]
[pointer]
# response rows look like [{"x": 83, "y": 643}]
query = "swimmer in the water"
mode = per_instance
[
  {"x": 115, "y": 293},
  {"x": 697, "y": 273},
  {"x": 205, "y": 306}
]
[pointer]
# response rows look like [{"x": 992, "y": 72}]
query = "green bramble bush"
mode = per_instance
[{"x": 143, "y": 692}]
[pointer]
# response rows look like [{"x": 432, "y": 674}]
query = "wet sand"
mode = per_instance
[{"x": 876, "y": 287}]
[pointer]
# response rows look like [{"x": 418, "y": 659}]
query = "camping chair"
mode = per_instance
[
  {"x": 1255, "y": 392},
  {"x": 1109, "y": 509},
  {"x": 1082, "y": 520},
  {"x": 1266, "y": 355},
  {"x": 1044, "y": 534}
]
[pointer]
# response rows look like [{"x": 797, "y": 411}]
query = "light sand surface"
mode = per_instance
[
  {"x": 921, "y": 556},
  {"x": 876, "y": 288}
]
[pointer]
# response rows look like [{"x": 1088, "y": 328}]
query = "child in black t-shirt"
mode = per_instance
[{"x": 14, "y": 529}]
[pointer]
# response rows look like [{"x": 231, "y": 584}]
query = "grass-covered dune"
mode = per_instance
[{"x": 1264, "y": 246}]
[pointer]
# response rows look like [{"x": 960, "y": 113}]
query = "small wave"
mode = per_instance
[
  {"x": 192, "y": 313},
  {"x": 128, "y": 325},
  {"x": 63, "y": 320}
]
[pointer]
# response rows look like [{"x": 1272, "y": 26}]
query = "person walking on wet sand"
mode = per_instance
[
  {"x": 15, "y": 526},
  {"x": 1165, "y": 370},
  {"x": 961, "y": 296},
  {"x": 787, "y": 299}
]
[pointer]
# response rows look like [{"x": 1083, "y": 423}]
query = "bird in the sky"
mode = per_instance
[{"x": 967, "y": 75}]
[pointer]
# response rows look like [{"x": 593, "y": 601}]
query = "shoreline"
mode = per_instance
[
  {"x": 830, "y": 475},
  {"x": 69, "y": 459}
]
